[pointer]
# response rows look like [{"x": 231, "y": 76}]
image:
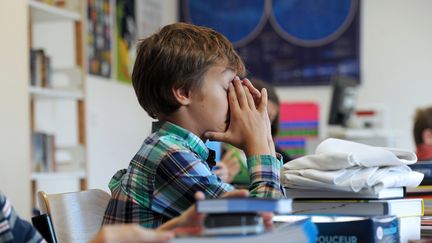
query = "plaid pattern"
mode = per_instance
[
  {"x": 164, "y": 175},
  {"x": 12, "y": 227}
]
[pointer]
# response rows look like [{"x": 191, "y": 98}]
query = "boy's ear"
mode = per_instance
[
  {"x": 427, "y": 136},
  {"x": 182, "y": 95}
]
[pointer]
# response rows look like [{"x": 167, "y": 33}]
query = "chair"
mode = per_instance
[{"x": 76, "y": 216}]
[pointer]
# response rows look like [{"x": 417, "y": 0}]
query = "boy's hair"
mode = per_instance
[
  {"x": 422, "y": 121},
  {"x": 272, "y": 96},
  {"x": 176, "y": 57}
]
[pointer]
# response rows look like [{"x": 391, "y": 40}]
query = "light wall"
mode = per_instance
[
  {"x": 116, "y": 124},
  {"x": 14, "y": 106},
  {"x": 396, "y": 62},
  {"x": 396, "y": 37}
]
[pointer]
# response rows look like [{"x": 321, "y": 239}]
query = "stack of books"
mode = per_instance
[
  {"x": 43, "y": 152},
  {"x": 424, "y": 191},
  {"x": 239, "y": 220},
  {"x": 388, "y": 202}
]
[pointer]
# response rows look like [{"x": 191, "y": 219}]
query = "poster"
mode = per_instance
[
  {"x": 298, "y": 121},
  {"x": 99, "y": 35},
  {"x": 286, "y": 42},
  {"x": 135, "y": 20},
  {"x": 126, "y": 36}
]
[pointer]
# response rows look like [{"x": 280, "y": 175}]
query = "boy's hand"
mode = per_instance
[
  {"x": 249, "y": 124},
  {"x": 190, "y": 221},
  {"x": 256, "y": 94}
]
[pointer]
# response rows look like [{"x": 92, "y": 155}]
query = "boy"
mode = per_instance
[{"x": 182, "y": 77}]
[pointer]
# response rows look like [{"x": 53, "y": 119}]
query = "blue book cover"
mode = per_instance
[
  {"x": 244, "y": 205},
  {"x": 378, "y": 229},
  {"x": 424, "y": 167},
  {"x": 371, "y": 229}
]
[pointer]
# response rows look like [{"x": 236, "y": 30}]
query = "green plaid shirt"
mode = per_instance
[{"x": 168, "y": 169}]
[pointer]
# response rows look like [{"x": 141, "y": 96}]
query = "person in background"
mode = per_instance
[
  {"x": 273, "y": 112},
  {"x": 232, "y": 167},
  {"x": 423, "y": 133},
  {"x": 12, "y": 227}
]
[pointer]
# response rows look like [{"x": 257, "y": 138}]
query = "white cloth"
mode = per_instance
[
  {"x": 349, "y": 166},
  {"x": 366, "y": 155}
]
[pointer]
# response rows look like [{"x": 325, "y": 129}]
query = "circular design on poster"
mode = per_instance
[
  {"x": 312, "y": 23},
  {"x": 240, "y": 20}
]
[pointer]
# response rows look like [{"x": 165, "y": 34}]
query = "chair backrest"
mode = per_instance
[{"x": 76, "y": 216}]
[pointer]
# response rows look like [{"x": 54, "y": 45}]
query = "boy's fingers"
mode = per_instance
[
  {"x": 241, "y": 96},
  {"x": 199, "y": 196},
  {"x": 256, "y": 94},
  {"x": 263, "y": 101},
  {"x": 232, "y": 98},
  {"x": 249, "y": 98},
  {"x": 215, "y": 136}
]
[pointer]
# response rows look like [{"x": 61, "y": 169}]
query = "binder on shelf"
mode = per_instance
[
  {"x": 40, "y": 69},
  {"x": 43, "y": 152}
]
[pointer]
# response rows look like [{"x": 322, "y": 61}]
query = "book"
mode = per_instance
[
  {"x": 233, "y": 224},
  {"x": 386, "y": 193},
  {"x": 300, "y": 230},
  {"x": 44, "y": 226},
  {"x": 408, "y": 211},
  {"x": 397, "y": 207},
  {"x": 244, "y": 205},
  {"x": 420, "y": 190},
  {"x": 373, "y": 229},
  {"x": 43, "y": 157},
  {"x": 424, "y": 167}
]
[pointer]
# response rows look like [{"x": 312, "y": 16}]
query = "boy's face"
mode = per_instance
[{"x": 209, "y": 104}]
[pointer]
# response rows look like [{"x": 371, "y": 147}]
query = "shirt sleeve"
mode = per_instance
[
  {"x": 264, "y": 172},
  {"x": 179, "y": 175},
  {"x": 13, "y": 228}
]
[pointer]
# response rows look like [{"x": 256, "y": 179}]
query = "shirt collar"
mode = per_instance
[{"x": 191, "y": 140}]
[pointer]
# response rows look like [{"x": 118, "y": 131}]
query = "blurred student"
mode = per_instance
[
  {"x": 186, "y": 77},
  {"x": 12, "y": 227},
  {"x": 423, "y": 133}
]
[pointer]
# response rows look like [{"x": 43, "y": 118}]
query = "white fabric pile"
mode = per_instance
[{"x": 348, "y": 166}]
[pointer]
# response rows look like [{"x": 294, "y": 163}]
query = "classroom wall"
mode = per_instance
[
  {"x": 116, "y": 124},
  {"x": 396, "y": 59},
  {"x": 14, "y": 106},
  {"x": 396, "y": 53}
]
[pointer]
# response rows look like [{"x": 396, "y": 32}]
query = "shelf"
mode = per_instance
[
  {"x": 51, "y": 93},
  {"x": 57, "y": 175},
  {"x": 44, "y": 12}
]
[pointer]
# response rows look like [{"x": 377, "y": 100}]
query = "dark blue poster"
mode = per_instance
[{"x": 286, "y": 42}]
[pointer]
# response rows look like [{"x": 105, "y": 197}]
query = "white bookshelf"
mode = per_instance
[
  {"x": 44, "y": 12},
  {"x": 57, "y": 111},
  {"x": 52, "y": 93},
  {"x": 77, "y": 175}
]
